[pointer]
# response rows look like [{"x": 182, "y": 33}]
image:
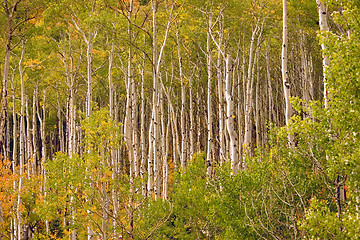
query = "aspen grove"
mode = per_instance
[{"x": 179, "y": 119}]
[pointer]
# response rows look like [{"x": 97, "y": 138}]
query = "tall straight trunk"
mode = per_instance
[
  {"x": 113, "y": 161},
  {"x": 210, "y": 140},
  {"x": 257, "y": 103},
  {"x": 29, "y": 150},
  {"x": 43, "y": 135},
  {"x": 162, "y": 181},
  {"x": 183, "y": 102},
  {"x": 14, "y": 156},
  {"x": 89, "y": 80},
  {"x": 89, "y": 38},
  {"x": 60, "y": 126},
  {"x": 165, "y": 160},
  {"x": 306, "y": 81},
  {"x": 271, "y": 112},
  {"x": 9, "y": 36},
  {"x": 15, "y": 159},
  {"x": 142, "y": 129},
  {"x": 154, "y": 137},
  {"x": 131, "y": 125},
  {"x": 111, "y": 85},
  {"x": 220, "y": 76},
  {"x": 135, "y": 125},
  {"x": 34, "y": 132},
  {"x": 22, "y": 142},
  {"x": 249, "y": 94},
  {"x": 128, "y": 126},
  {"x": 192, "y": 124},
  {"x": 242, "y": 100},
  {"x": 324, "y": 27},
  {"x": 230, "y": 118},
  {"x": 7, "y": 139},
  {"x": 285, "y": 74},
  {"x": 153, "y": 133}
]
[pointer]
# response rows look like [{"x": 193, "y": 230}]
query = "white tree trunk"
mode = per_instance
[
  {"x": 285, "y": 74},
  {"x": 210, "y": 143},
  {"x": 324, "y": 27},
  {"x": 220, "y": 76},
  {"x": 230, "y": 118},
  {"x": 192, "y": 125},
  {"x": 22, "y": 144},
  {"x": 142, "y": 130},
  {"x": 183, "y": 102},
  {"x": 249, "y": 95}
]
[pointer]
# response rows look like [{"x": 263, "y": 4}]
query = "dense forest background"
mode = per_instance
[{"x": 164, "y": 119}]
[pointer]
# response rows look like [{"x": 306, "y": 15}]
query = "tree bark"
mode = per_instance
[
  {"x": 324, "y": 27},
  {"x": 285, "y": 74},
  {"x": 183, "y": 102},
  {"x": 249, "y": 96},
  {"x": 230, "y": 118},
  {"x": 210, "y": 140}
]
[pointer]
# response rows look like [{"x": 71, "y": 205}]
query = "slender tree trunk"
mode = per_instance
[
  {"x": 249, "y": 95},
  {"x": 285, "y": 74},
  {"x": 210, "y": 140},
  {"x": 142, "y": 129},
  {"x": 220, "y": 76},
  {"x": 89, "y": 74},
  {"x": 35, "y": 135},
  {"x": 165, "y": 161},
  {"x": 3, "y": 116},
  {"x": 22, "y": 143},
  {"x": 324, "y": 27},
  {"x": 257, "y": 103},
  {"x": 192, "y": 124},
  {"x": 230, "y": 118},
  {"x": 183, "y": 103}
]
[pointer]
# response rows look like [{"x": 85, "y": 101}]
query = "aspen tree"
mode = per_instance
[
  {"x": 60, "y": 125},
  {"x": 10, "y": 12},
  {"x": 324, "y": 27},
  {"x": 220, "y": 76},
  {"x": 35, "y": 133},
  {"x": 15, "y": 159},
  {"x": 68, "y": 61},
  {"x": 29, "y": 147},
  {"x": 163, "y": 180},
  {"x": 128, "y": 125},
  {"x": 21, "y": 145},
  {"x": 285, "y": 74},
  {"x": 113, "y": 161},
  {"x": 271, "y": 112},
  {"x": 210, "y": 141},
  {"x": 165, "y": 183},
  {"x": 307, "y": 68},
  {"x": 191, "y": 113},
  {"x": 89, "y": 39},
  {"x": 184, "y": 143},
  {"x": 230, "y": 116},
  {"x": 142, "y": 128},
  {"x": 154, "y": 132},
  {"x": 249, "y": 92},
  {"x": 257, "y": 108}
]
